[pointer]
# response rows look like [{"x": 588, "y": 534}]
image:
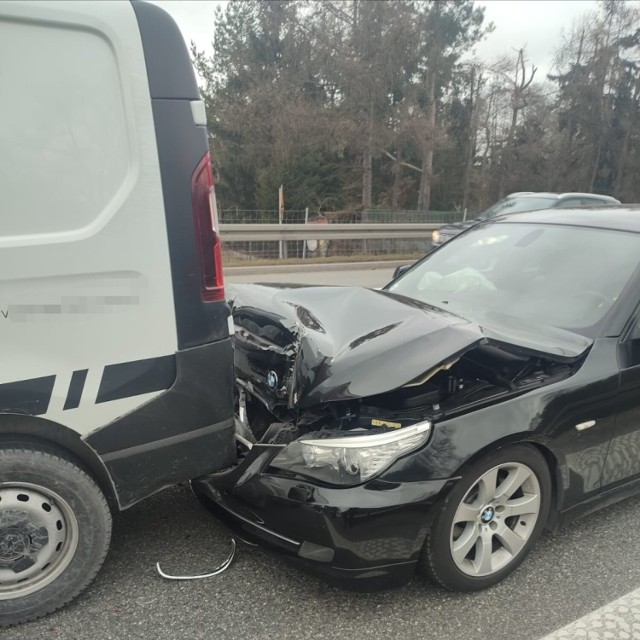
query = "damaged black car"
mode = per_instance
[{"x": 441, "y": 423}]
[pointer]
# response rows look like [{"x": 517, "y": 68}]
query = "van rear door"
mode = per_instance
[{"x": 114, "y": 329}]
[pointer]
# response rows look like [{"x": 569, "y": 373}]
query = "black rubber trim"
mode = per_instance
[
  {"x": 185, "y": 432},
  {"x": 76, "y": 386},
  {"x": 169, "y": 66},
  {"x": 144, "y": 470},
  {"x": 30, "y": 396},
  {"x": 166, "y": 442},
  {"x": 181, "y": 146},
  {"x": 135, "y": 378},
  {"x": 201, "y": 395}
]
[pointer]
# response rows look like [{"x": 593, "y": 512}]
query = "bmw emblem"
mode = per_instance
[
  {"x": 487, "y": 515},
  {"x": 272, "y": 380}
]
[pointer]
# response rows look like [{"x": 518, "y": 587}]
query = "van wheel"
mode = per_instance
[{"x": 55, "y": 528}]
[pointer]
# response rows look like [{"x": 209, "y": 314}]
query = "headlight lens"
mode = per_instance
[
  {"x": 337, "y": 458},
  {"x": 435, "y": 236}
]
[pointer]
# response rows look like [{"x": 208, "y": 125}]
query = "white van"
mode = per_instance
[{"x": 116, "y": 361}]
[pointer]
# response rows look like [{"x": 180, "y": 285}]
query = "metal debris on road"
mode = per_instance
[{"x": 218, "y": 570}]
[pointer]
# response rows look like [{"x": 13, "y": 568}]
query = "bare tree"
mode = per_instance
[
  {"x": 476, "y": 82},
  {"x": 520, "y": 83}
]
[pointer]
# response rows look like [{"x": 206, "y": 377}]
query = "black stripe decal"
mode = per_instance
[
  {"x": 135, "y": 378},
  {"x": 76, "y": 387},
  {"x": 27, "y": 396}
]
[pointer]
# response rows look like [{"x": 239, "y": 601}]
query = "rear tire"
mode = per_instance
[{"x": 55, "y": 529}]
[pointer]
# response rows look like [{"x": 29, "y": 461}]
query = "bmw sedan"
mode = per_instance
[{"x": 443, "y": 422}]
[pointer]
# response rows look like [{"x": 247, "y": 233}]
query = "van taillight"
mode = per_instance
[{"x": 206, "y": 223}]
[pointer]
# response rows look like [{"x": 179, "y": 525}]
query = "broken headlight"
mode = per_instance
[{"x": 338, "y": 458}]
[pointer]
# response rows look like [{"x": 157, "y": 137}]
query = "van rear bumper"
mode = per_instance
[{"x": 185, "y": 432}]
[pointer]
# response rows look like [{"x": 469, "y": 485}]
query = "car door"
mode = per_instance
[{"x": 622, "y": 463}]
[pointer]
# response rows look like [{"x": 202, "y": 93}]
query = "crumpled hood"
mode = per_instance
[{"x": 337, "y": 343}]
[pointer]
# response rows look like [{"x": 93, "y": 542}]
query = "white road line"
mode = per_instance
[{"x": 618, "y": 620}]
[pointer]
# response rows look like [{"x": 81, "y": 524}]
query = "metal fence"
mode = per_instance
[
  {"x": 254, "y": 236},
  {"x": 298, "y": 216}
]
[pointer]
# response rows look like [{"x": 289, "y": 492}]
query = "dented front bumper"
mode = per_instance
[{"x": 365, "y": 538}]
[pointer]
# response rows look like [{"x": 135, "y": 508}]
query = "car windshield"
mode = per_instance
[
  {"x": 510, "y": 274},
  {"x": 516, "y": 204}
]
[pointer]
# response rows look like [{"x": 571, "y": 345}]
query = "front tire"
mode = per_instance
[
  {"x": 490, "y": 520},
  {"x": 55, "y": 529}
]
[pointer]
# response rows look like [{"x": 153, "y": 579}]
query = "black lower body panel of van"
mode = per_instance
[{"x": 186, "y": 431}]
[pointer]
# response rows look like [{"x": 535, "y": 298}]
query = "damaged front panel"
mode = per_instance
[
  {"x": 325, "y": 344},
  {"x": 331, "y": 359}
]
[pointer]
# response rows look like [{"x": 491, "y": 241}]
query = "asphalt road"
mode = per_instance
[{"x": 568, "y": 574}]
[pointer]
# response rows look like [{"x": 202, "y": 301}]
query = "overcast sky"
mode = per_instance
[{"x": 538, "y": 24}]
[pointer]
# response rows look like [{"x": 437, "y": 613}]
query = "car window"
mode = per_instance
[
  {"x": 583, "y": 202},
  {"x": 572, "y": 202},
  {"x": 540, "y": 274},
  {"x": 598, "y": 202},
  {"x": 517, "y": 205}
]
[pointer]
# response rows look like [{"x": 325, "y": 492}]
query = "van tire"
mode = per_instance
[{"x": 55, "y": 529}]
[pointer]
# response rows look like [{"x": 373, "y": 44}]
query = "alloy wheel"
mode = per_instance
[{"x": 495, "y": 519}]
